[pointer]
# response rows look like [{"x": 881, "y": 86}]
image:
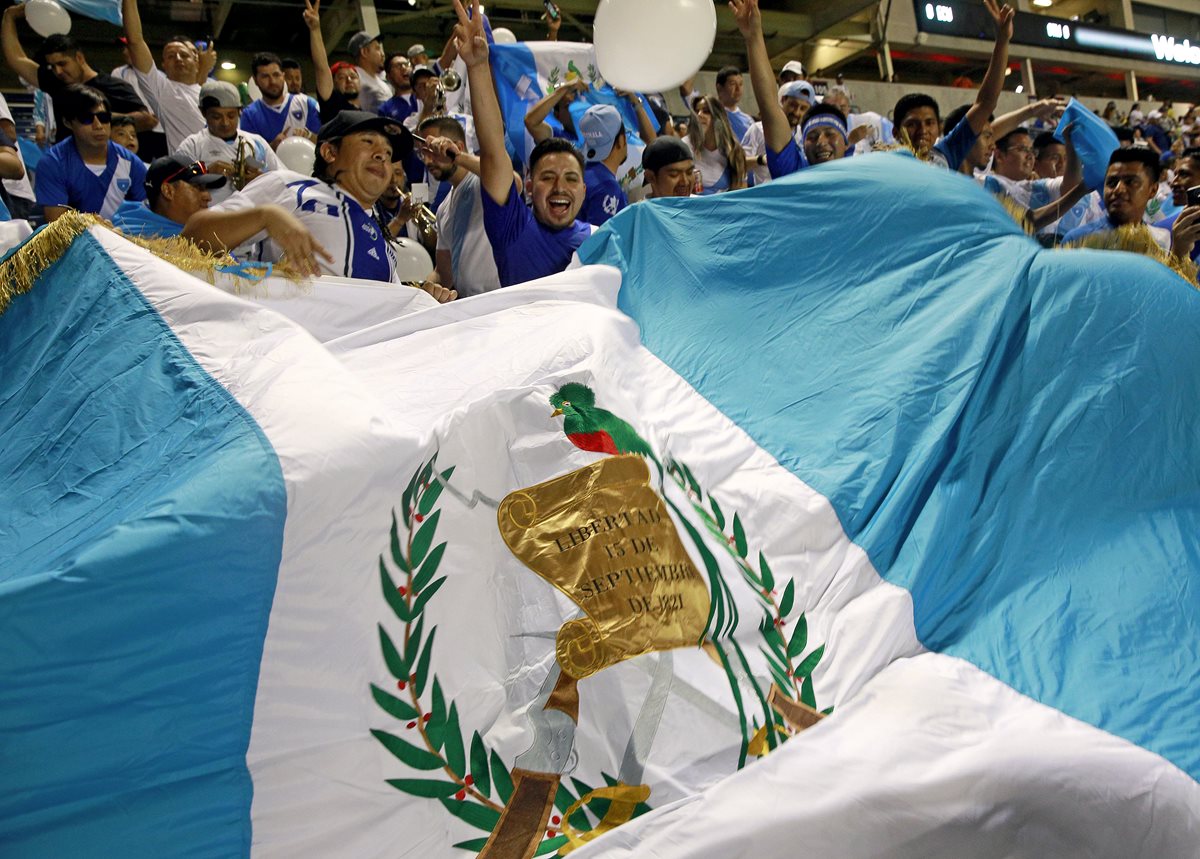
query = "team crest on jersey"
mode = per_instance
[
  {"x": 297, "y": 114},
  {"x": 122, "y": 185},
  {"x": 369, "y": 229}
]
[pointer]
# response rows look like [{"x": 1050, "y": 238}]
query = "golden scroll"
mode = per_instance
[{"x": 603, "y": 537}]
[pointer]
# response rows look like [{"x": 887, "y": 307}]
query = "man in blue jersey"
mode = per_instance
[
  {"x": 278, "y": 113},
  {"x": 526, "y": 244},
  {"x": 605, "y": 149},
  {"x": 176, "y": 189},
  {"x": 87, "y": 171}
]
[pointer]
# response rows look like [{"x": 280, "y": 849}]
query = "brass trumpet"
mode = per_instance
[
  {"x": 448, "y": 81},
  {"x": 239, "y": 164}
]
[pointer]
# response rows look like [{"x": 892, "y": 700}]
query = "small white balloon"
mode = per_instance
[
  {"x": 47, "y": 18},
  {"x": 297, "y": 154},
  {"x": 504, "y": 36},
  {"x": 655, "y": 46},
  {"x": 413, "y": 262}
]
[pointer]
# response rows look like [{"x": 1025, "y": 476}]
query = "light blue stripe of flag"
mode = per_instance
[
  {"x": 101, "y": 10},
  {"x": 141, "y": 523},
  {"x": 1009, "y": 432}
]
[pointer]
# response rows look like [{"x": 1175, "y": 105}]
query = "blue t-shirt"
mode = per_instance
[
  {"x": 399, "y": 107},
  {"x": 138, "y": 220},
  {"x": 524, "y": 248},
  {"x": 604, "y": 195},
  {"x": 951, "y": 150},
  {"x": 64, "y": 180},
  {"x": 788, "y": 161},
  {"x": 1168, "y": 224},
  {"x": 297, "y": 111}
]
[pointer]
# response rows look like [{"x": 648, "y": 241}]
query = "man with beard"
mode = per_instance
[
  {"x": 526, "y": 244},
  {"x": 176, "y": 188},
  {"x": 796, "y": 98},
  {"x": 218, "y": 146},
  {"x": 174, "y": 90},
  {"x": 668, "y": 167},
  {"x": 65, "y": 64},
  {"x": 278, "y": 113},
  {"x": 337, "y": 87},
  {"x": 87, "y": 171},
  {"x": 324, "y": 223}
]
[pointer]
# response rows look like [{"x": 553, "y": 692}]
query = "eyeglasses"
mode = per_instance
[
  {"x": 1020, "y": 150},
  {"x": 196, "y": 168},
  {"x": 88, "y": 118}
]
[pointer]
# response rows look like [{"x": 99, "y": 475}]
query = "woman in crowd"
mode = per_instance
[{"x": 719, "y": 157}]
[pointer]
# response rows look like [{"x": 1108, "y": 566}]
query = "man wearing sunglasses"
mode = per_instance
[
  {"x": 87, "y": 171},
  {"x": 176, "y": 189}
]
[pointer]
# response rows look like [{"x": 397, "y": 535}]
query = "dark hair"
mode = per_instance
[
  {"x": 726, "y": 73},
  {"x": 821, "y": 109},
  {"x": 1145, "y": 157},
  {"x": 120, "y": 120},
  {"x": 387, "y": 64},
  {"x": 1192, "y": 152},
  {"x": 59, "y": 44},
  {"x": 263, "y": 59},
  {"x": 1045, "y": 140},
  {"x": 1003, "y": 143},
  {"x": 79, "y": 98},
  {"x": 1124, "y": 133},
  {"x": 444, "y": 126},
  {"x": 910, "y": 102},
  {"x": 289, "y": 63},
  {"x": 551, "y": 145}
]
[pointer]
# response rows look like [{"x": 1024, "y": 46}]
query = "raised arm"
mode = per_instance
[
  {"x": 10, "y": 165},
  {"x": 993, "y": 81},
  {"x": 449, "y": 55},
  {"x": 1043, "y": 109},
  {"x": 535, "y": 119},
  {"x": 139, "y": 51},
  {"x": 495, "y": 170},
  {"x": 316, "y": 46},
  {"x": 645, "y": 126},
  {"x": 221, "y": 230},
  {"x": 776, "y": 130},
  {"x": 207, "y": 62},
  {"x": 14, "y": 54}
]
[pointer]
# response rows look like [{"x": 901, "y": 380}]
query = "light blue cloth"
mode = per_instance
[
  {"x": 1093, "y": 139},
  {"x": 137, "y": 219},
  {"x": 1009, "y": 432}
]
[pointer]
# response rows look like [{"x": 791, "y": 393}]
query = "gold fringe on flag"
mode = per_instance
[{"x": 1136, "y": 238}]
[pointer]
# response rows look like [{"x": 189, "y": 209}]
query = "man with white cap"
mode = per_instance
[
  {"x": 228, "y": 151},
  {"x": 793, "y": 70},
  {"x": 367, "y": 51},
  {"x": 605, "y": 150},
  {"x": 796, "y": 97}
]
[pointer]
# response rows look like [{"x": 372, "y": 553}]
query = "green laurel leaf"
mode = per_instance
[
  {"x": 406, "y": 499},
  {"x": 391, "y": 657},
  {"x": 424, "y": 537},
  {"x": 474, "y": 845},
  {"x": 717, "y": 514},
  {"x": 739, "y": 536},
  {"x": 430, "y": 496},
  {"x": 807, "y": 694},
  {"x": 479, "y": 816},
  {"x": 422, "y": 672},
  {"x": 392, "y": 595},
  {"x": 397, "y": 551},
  {"x": 423, "y": 477},
  {"x": 428, "y": 568},
  {"x": 789, "y": 597},
  {"x": 426, "y": 595},
  {"x": 563, "y": 798},
  {"x": 425, "y": 787},
  {"x": 456, "y": 759},
  {"x": 828, "y": 711},
  {"x": 412, "y": 647},
  {"x": 392, "y": 705},
  {"x": 413, "y": 756},
  {"x": 550, "y": 845},
  {"x": 435, "y": 728},
  {"x": 799, "y": 638},
  {"x": 479, "y": 766},
  {"x": 806, "y": 667},
  {"x": 501, "y": 779},
  {"x": 687, "y": 472},
  {"x": 768, "y": 578}
]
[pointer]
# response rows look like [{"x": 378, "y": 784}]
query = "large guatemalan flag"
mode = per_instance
[{"x": 784, "y": 529}]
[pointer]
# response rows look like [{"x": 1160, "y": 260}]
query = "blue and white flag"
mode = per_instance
[
  {"x": 876, "y": 541},
  {"x": 101, "y": 10}
]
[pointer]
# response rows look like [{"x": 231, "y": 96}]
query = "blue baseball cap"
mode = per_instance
[
  {"x": 600, "y": 126},
  {"x": 802, "y": 90}
]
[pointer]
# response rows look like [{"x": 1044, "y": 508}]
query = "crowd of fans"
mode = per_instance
[{"x": 163, "y": 149}]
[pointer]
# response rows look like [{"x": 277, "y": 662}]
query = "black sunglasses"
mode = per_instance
[{"x": 88, "y": 118}]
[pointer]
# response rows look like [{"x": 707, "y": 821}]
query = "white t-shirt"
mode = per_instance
[
  {"x": 373, "y": 90},
  {"x": 714, "y": 170},
  {"x": 349, "y": 232},
  {"x": 177, "y": 105},
  {"x": 754, "y": 144},
  {"x": 207, "y": 147},
  {"x": 16, "y": 187},
  {"x": 1027, "y": 193},
  {"x": 460, "y": 231}
]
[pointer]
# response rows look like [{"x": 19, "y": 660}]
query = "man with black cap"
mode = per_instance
[
  {"x": 605, "y": 149},
  {"x": 669, "y": 169},
  {"x": 176, "y": 188},
  {"x": 234, "y": 153},
  {"x": 324, "y": 223},
  {"x": 367, "y": 51}
]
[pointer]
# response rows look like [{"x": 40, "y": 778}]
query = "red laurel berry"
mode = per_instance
[
  {"x": 400, "y": 684},
  {"x": 555, "y": 820},
  {"x": 425, "y": 718},
  {"x": 412, "y": 724},
  {"x": 549, "y": 833},
  {"x": 403, "y": 590},
  {"x": 469, "y": 780},
  {"x": 462, "y": 794},
  {"x": 419, "y": 518}
]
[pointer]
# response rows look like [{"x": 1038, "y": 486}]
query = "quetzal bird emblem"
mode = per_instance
[{"x": 593, "y": 429}]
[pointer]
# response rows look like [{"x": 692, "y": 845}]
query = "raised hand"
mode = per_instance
[
  {"x": 442, "y": 150},
  {"x": 296, "y": 242},
  {"x": 1003, "y": 16},
  {"x": 748, "y": 16},
  {"x": 469, "y": 37},
  {"x": 1186, "y": 232},
  {"x": 312, "y": 14}
]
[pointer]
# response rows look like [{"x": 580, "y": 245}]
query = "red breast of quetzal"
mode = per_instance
[{"x": 594, "y": 429}]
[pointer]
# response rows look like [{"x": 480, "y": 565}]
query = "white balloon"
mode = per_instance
[
  {"x": 297, "y": 154},
  {"x": 653, "y": 46},
  {"x": 412, "y": 260},
  {"x": 47, "y": 18},
  {"x": 503, "y": 36}
]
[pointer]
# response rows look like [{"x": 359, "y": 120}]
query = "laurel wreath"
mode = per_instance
[{"x": 473, "y": 783}]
